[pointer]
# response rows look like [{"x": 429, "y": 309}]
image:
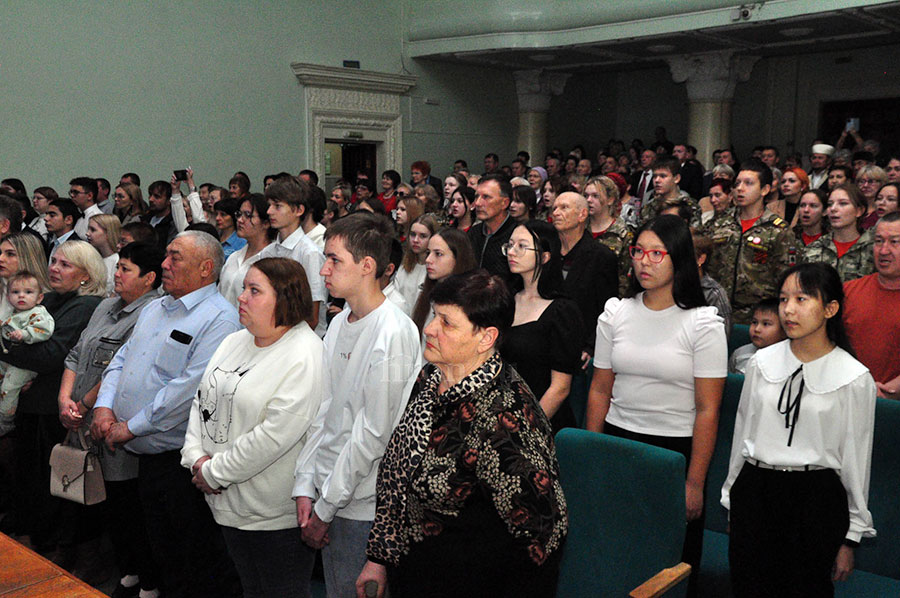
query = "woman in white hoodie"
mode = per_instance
[{"x": 259, "y": 394}]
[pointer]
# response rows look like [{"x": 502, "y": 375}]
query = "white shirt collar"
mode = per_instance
[{"x": 823, "y": 375}]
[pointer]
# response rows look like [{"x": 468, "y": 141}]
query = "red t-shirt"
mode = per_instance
[
  {"x": 389, "y": 203},
  {"x": 807, "y": 239},
  {"x": 748, "y": 224},
  {"x": 872, "y": 318},
  {"x": 843, "y": 247},
  {"x": 597, "y": 234}
]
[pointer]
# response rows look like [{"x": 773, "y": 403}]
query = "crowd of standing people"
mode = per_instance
[{"x": 378, "y": 376}]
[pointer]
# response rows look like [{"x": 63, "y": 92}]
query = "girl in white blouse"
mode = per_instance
[
  {"x": 660, "y": 363},
  {"x": 799, "y": 476}
]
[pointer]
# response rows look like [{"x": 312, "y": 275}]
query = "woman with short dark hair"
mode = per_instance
[
  {"x": 388, "y": 196},
  {"x": 252, "y": 219},
  {"x": 249, "y": 421},
  {"x": 138, "y": 276},
  {"x": 481, "y": 514},
  {"x": 226, "y": 214}
]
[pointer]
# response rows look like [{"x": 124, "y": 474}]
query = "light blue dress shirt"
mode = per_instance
[
  {"x": 152, "y": 380},
  {"x": 232, "y": 244}
]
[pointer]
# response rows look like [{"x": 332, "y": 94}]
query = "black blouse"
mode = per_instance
[{"x": 553, "y": 342}]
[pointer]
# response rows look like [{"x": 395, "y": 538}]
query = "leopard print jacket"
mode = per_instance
[{"x": 487, "y": 435}]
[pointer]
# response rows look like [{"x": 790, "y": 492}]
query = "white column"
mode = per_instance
[
  {"x": 534, "y": 89},
  {"x": 711, "y": 79}
]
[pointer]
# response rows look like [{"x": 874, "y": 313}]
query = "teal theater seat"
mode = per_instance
[
  {"x": 878, "y": 559},
  {"x": 626, "y": 515},
  {"x": 713, "y": 580},
  {"x": 740, "y": 336}
]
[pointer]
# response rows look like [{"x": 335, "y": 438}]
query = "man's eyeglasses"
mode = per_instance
[{"x": 654, "y": 255}]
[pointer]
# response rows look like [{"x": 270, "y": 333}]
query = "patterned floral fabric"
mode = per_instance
[{"x": 485, "y": 435}]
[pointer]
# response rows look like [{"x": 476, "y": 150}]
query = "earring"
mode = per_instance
[{"x": 83, "y": 282}]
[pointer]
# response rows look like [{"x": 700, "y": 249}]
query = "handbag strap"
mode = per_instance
[{"x": 82, "y": 440}]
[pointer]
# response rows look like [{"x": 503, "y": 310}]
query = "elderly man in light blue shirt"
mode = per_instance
[{"x": 143, "y": 405}]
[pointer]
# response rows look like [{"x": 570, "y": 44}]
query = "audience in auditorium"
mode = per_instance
[{"x": 562, "y": 240}]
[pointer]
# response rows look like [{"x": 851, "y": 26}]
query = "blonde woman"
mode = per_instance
[
  {"x": 78, "y": 283},
  {"x": 602, "y": 196},
  {"x": 869, "y": 180},
  {"x": 129, "y": 203},
  {"x": 103, "y": 234}
]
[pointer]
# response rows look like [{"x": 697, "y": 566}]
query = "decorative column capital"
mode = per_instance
[
  {"x": 535, "y": 88},
  {"x": 711, "y": 76}
]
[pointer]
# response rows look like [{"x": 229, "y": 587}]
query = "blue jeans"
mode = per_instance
[
  {"x": 344, "y": 556},
  {"x": 271, "y": 563}
]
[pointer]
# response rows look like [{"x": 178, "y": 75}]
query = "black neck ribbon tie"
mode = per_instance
[{"x": 791, "y": 408}]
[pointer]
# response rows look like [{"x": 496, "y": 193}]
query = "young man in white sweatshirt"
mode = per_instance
[{"x": 372, "y": 355}]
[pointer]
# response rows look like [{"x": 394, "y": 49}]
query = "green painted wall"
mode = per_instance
[
  {"x": 477, "y": 114},
  {"x": 97, "y": 89}
]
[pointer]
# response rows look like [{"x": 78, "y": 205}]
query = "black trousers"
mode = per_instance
[
  {"x": 271, "y": 563},
  {"x": 37, "y": 512},
  {"x": 786, "y": 529},
  {"x": 125, "y": 523},
  {"x": 693, "y": 537},
  {"x": 185, "y": 541}
]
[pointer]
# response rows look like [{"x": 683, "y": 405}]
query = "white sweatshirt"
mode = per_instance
[
  {"x": 251, "y": 415},
  {"x": 372, "y": 364}
]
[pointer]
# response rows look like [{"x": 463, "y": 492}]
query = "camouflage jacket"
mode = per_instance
[
  {"x": 619, "y": 237},
  {"x": 748, "y": 265},
  {"x": 650, "y": 209},
  {"x": 859, "y": 260}
]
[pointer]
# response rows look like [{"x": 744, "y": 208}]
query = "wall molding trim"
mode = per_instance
[{"x": 343, "y": 103}]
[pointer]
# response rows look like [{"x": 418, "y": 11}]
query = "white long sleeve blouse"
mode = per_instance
[{"x": 834, "y": 427}]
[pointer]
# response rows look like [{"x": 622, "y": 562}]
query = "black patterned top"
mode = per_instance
[{"x": 484, "y": 437}]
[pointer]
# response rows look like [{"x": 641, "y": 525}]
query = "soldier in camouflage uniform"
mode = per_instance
[
  {"x": 602, "y": 196},
  {"x": 665, "y": 186},
  {"x": 747, "y": 263},
  {"x": 856, "y": 263}
]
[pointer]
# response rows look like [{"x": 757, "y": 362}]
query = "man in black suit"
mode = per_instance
[
  {"x": 691, "y": 171},
  {"x": 590, "y": 268},
  {"x": 642, "y": 180},
  {"x": 60, "y": 219}
]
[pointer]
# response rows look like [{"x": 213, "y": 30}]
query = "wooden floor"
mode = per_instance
[{"x": 24, "y": 573}]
